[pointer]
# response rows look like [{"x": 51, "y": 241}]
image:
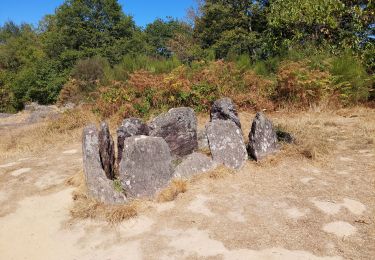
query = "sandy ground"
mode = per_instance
[{"x": 288, "y": 207}]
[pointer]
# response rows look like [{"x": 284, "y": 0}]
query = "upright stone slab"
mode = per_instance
[
  {"x": 226, "y": 143},
  {"x": 178, "y": 127},
  {"x": 262, "y": 137},
  {"x": 225, "y": 109},
  {"x": 98, "y": 185},
  {"x": 107, "y": 151},
  {"x": 129, "y": 127},
  {"x": 193, "y": 164},
  {"x": 146, "y": 166}
]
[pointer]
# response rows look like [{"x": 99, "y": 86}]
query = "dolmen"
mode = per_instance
[{"x": 150, "y": 155}]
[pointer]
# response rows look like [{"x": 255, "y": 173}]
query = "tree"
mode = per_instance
[
  {"x": 338, "y": 23},
  {"x": 160, "y": 32},
  {"x": 87, "y": 28},
  {"x": 231, "y": 26}
]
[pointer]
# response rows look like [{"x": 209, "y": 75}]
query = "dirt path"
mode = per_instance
[{"x": 288, "y": 207}]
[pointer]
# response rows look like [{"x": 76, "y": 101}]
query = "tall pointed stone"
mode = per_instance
[
  {"x": 107, "y": 151},
  {"x": 98, "y": 185}
]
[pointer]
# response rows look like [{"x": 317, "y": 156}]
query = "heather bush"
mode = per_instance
[{"x": 300, "y": 85}]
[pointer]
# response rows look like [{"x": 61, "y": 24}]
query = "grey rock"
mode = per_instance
[
  {"x": 129, "y": 127},
  {"x": 39, "y": 113},
  {"x": 202, "y": 140},
  {"x": 146, "y": 166},
  {"x": 107, "y": 151},
  {"x": 226, "y": 143},
  {"x": 225, "y": 109},
  {"x": 193, "y": 164},
  {"x": 262, "y": 138},
  {"x": 5, "y": 115},
  {"x": 98, "y": 185},
  {"x": 178, "y": 127},
  {"x": 285, "y": 137}
]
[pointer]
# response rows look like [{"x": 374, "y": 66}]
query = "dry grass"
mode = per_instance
[
  {"x": 33, "y": 138},
  {"x": 176, "y": 187},
  {"x": 85, "y": 207},
  {"x": 311, "y": 135}
]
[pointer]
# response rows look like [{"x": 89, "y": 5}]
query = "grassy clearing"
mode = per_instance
[{"x": 34, "y": 138}]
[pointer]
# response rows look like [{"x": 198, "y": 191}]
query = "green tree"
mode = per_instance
[
  {"x": 85, "y": 28},
  {"x": 231, "y": 26},
  {"x": 160, "y": 32}
]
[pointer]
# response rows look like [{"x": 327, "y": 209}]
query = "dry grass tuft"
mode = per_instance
[
  {"x": 176, "y": 187},
  {"x": 117, "y": 214},
  {"x": 220, "y": 172},
  {"x": 77, "y": 180},
  {"x": 85, "y": 207}
]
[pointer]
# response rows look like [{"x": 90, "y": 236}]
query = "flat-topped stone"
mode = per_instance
[
  {"x": 146, "y": 166},
  {"x": 226, "y": 143}
]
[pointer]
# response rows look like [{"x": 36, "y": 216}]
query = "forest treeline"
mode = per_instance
[{"x": 262, "y": 53}]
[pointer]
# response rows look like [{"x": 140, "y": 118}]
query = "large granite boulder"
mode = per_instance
[
  {"x": 193, "y": 164},
  {"x": 146, "y": 166},
  {"x": 98, "y": 185},
  {"x": 262, "y": 137},
  {"x": 226, "y": 143},
  {"x": 107, "y": 151},
  {"x": 225, "y": 109},
  {"x": 178, "y": 127},
  {"x": 129, "y": 127}
]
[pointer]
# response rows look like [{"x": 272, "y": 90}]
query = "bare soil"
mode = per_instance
[{"x": 286, "y": 207}]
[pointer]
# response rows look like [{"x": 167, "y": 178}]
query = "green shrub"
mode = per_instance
[
  {"x": 131, "y": 63},
  {"x": 350, "y": 78},
  {"x": 40, "y": 82},
  {"x": 90, "y": 69}
]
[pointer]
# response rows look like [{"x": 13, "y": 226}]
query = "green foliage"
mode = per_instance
[
  {"x": 351, "y": 78},
  {"x": 159, "y": 32},
  {"x": 91, "y": 50},
  {"x": 131, "y": 63},
  {"x": 41, "y": 82}
]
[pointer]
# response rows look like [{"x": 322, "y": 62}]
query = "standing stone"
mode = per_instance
[
  {"x": 226, "y": 143},
  {"x": 224, "y": 109},
  {"x": 193, "y": 164},
  {"x": 107, "y": 151},
  {"x": 129, "y": 127},
  {"x": 98, "y": 185},
  {"x": 262, "y": 137},
  {"x": 178, "y": 127},
  {"x": 146, "y": 166}
]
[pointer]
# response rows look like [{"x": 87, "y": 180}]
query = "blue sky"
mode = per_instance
[{"x": 143, "y": 11}]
